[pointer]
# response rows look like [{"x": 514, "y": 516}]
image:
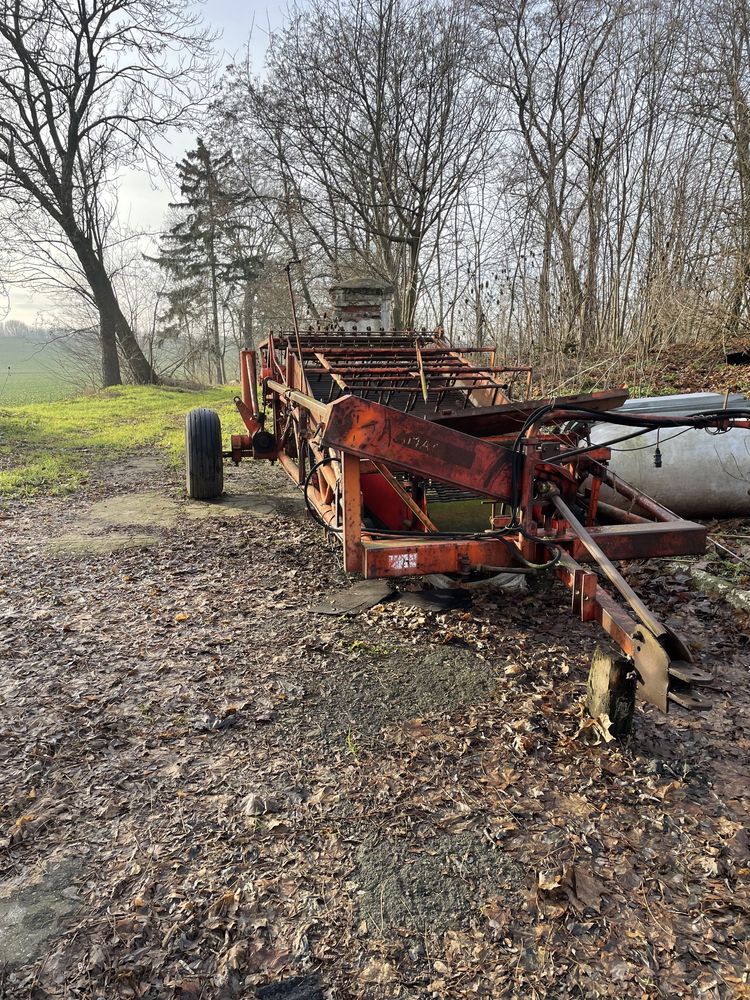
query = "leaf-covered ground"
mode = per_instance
[{"x": 246, "y": 799}]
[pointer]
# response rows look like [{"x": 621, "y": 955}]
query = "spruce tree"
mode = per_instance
[
  {"x": 213, "y": 247},
  {"x": 191, "y": 250}
]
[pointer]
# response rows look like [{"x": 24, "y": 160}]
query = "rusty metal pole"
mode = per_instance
[
  {"x": 244, "y": 380},
  {"x": 320, "y": 410},
  {"x": 288, "y": 270},
  {"x": 352, "y": 504}
]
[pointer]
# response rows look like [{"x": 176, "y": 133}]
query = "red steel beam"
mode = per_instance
[
  {"x": 421, "y": 556},
  {"x": 640, "y": 540},
  {"x": 371, "y": 430}
]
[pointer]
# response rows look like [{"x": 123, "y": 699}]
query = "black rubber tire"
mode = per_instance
[{"x": 204, "y": 464}]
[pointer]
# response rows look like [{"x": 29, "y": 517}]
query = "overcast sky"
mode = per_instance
[{"x": 143, "y": 202}]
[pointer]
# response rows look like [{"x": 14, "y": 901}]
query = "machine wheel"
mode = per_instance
[{"x": 204, "y": 468}]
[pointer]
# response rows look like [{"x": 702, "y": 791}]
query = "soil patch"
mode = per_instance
[
  {"x": 433, "y": 886},
  {"x": 92, "y": 532},
  {"x": 237, "y": 505},
  {"x": 378, "y": 686},
  {"x": 81, "y": 543},
  {"x": 132, "y": 470},
  {"x": 149, "y": 509},
  {"x": 297, "y": 988}
]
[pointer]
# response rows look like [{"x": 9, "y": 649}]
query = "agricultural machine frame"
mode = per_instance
[{"x": 368, "y": 425}]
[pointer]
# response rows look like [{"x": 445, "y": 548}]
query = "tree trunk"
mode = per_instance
[
  {"x": 545, "y": 296},
  {"x": 211, "y": 248},
  {"x": 110, "y": 360},
  {"x": 412, "y": 283},
  {"x": 741, "y": 131},
  {"x": 142, "y": 371},
  {"x": 215, "y": 338},
  {"x": 590, "y": 297},
  {"x": 111, "y": 316},
  {"x": 611, "y": 692},
  {"x": 248, "y": 310}
]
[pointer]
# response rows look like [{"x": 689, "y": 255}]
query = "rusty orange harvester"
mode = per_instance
[{"x": 377, "y": 427}]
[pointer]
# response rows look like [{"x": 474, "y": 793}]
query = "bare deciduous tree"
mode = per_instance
[
  {"x": 373, "y": 119},
  {"x": 716, "y": 95},
  {"x": 88, "y": 87}
]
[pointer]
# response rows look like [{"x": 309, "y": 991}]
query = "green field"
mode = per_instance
[
  {"x": 36, "y": 373},
  {"x": 48, "y": 448}
]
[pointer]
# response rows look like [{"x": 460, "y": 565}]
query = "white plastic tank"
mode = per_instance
[{"x": 703, "y": 474}]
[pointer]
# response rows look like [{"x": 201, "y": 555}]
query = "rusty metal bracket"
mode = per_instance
[
  {"x": 252, "y": 421},
  {"x": 666, "y": 672},
  {"x": 662, "y": 660},
  {"x": 607, "y": 567}
]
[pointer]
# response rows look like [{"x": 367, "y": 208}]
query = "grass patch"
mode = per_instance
[
  {"x": 48, "y": 448},
  {"x": 368, "y": 648}
]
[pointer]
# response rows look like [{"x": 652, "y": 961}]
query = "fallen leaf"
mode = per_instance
[
  {"x": 573, "y": 885},
  {"x": 257, "y": 805},
  {"x": 377, "y": 970}
]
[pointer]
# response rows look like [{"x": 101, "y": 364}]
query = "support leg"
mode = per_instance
[{"x": 352, "y": 504}]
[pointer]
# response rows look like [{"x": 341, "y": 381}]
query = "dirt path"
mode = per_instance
[{"x": 210, "y": 792}]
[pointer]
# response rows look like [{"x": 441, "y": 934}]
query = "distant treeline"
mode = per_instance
[{"x": 33, "y": 332}]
